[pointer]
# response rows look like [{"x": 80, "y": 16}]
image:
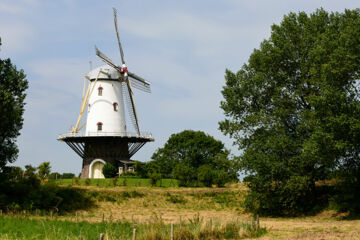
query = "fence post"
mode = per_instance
[
  {"x": 101, "y": 236},
  {"x": 257, "y": 222},
  {"x": 77, "y": 219},
  {"x": 172, "y": 231},
  {"x": 103, "y": 216},
  {"x": 211, "y": 224},
  {"x": 134, "y": 234}
]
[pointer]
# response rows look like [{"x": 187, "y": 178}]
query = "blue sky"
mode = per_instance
[{"x": 181, "y": 47}]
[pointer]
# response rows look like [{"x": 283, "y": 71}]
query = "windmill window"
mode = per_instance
[
  {"x": 100, "y": 90},
  {"x": 116, "y": 106},
  {"x": 99, "y": 126}
]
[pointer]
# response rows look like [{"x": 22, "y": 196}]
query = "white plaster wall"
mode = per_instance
[{"x": 101, "y": 109}]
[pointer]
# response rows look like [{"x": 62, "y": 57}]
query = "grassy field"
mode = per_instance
[
  {"x": 122, "y": 181},
  {"x": 153, "y": 209},
  {"x": 25, "y": 228}
]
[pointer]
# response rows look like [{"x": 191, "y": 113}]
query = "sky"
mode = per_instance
[{"x": 181, "y": 47}]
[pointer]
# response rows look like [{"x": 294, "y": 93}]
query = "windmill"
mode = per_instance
[{"x": 106, "y": 138}]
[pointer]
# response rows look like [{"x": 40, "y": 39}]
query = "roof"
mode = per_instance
[{"x": 106, "y": 72}]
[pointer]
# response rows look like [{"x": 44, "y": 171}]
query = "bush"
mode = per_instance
[
  {"x": 220, "y": 178},
  {"x": 67, "y": 175},
  {"x": 206, "y": 175},
  {"x": 76, "y": 180},
  {"x": 185, "y": 174},
  {"x": 109, "y": 170},
  {"x": 115, "y": 180},
  {"x": 87, "y": 181},
  {"x": 29, "y": 194},
  {"x": 154, "y": 177}
]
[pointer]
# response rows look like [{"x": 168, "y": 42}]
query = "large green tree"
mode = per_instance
[
  {"x": 189, "y": 155},
  {"x": 294, "y": 109},
  {"x": 12, "y": 94}
]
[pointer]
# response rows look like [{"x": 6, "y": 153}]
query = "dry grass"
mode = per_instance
[{"x": 143, "y": 204}]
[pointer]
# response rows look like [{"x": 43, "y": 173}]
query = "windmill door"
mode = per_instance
[{"x": 97, "y": 170}]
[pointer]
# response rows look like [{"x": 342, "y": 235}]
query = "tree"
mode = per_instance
[
  {"x": 294, "y": 108},
  {"x": 185, "y": 152},
  {"x": 44, "y": 170},
  {"x": 12, "y": 94},
  {"x": 30, "y": 171},
  {"x": 109, "y": 170}
]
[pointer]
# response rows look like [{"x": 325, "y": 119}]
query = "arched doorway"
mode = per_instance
[{"x": 96, "y": 167}]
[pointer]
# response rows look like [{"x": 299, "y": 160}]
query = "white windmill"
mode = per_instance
[{"x": 106, "y": 138}]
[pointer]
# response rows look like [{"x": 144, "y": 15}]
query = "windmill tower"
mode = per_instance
[{"x": 107, "y": 89}]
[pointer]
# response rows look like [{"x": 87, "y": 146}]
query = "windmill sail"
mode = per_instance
[
  {"x": 130, "y": 107},
  {"x": 107, "y": 60},
  {"x": 139, "y": 83}
]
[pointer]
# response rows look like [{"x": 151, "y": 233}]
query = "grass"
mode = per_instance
[
  {"x": 122, "y": 181},
  {"x": 202, "y": 213},
  {"x": 24, "y": 229}
]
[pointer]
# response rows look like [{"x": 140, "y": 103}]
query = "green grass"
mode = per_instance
[
  {"x": 25, "y": 229},
  {"x": 122, "y": 181}
]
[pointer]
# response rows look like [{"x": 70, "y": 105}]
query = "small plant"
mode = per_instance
[
  {"x": 124, "y": 182},
  {"x": 183, "y": 234},
  {"x": 109, "y": 170},
  {"x": 115, "y": 180},
  {"x": 76, "y": 180},
  {"x": 176, "y": 199},
  {"x": 154, "y": 177},
  {"x": 87, "y": 181}
]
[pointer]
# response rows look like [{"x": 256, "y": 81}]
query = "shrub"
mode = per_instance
[
  {"x": 206, "y": 175},
  {"x": 154, "y": 177},
  {"x": 176, "y": 199},
  {"x": 109, "y": 170},
  {"x": 67, "y": 175},
  {"x": 114, "y": 180},
  {"x": 29, "y": 194},
  {"x": 87, "y": 181},
  {"x": 76, "y": 180}
]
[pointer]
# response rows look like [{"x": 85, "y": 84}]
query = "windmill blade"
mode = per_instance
[
  {"x": 107, "y": 60},
  {"x": 130, "y": 105},
  {"x": 118, "y": 37},
  {"x": 139, "y": 83}
]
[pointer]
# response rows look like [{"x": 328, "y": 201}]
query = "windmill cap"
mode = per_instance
[{"x": 106, "y": 72}]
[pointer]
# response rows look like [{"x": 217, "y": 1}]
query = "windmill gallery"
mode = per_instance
[{"x": 106, "y": 138}]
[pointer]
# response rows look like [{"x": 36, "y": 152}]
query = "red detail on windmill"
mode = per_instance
[{"x": 124, "y": 70}]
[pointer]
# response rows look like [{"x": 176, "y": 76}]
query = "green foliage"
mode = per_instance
[
  {"x": 109, "y": 170},
  {"x": 175, "y": 198},
  {"x": 154, "y": 178},
  {"x": 67, "y": 175},
  {"x": 185, "y": 174},
  {"x": 44, "y": 170},
  {"x": 189, "y": 154},
  {"x": 115, "y": 180},
  {"x": 206, "y": 175},
  {"x": 30, "y": 171},
  {"x": 294, "y": 109},
  {"x": 29, "y": 194},
  {"x": 76, "y": 180},
  {"x": 12, "y": 94},
  {"x": 141, "y": 169},
  {"x": 87, "y": 181},
  {"x": 22, "y": 228}
]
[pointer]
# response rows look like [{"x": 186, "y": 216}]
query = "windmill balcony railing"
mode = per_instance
[{"x": 106, "y": 134}]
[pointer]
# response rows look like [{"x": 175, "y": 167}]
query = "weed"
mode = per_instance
[
  {"x": 87, "y": 181},
  {"x": 176, "y": 199}
]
